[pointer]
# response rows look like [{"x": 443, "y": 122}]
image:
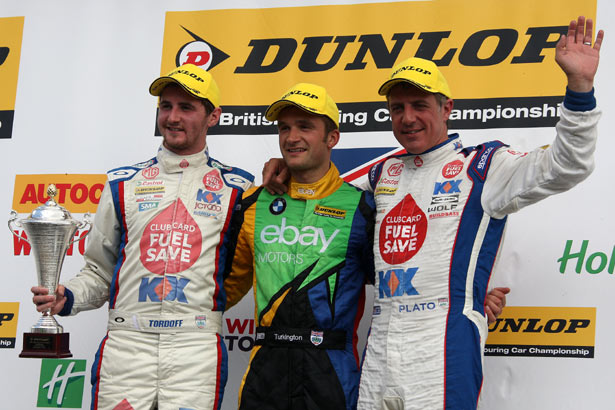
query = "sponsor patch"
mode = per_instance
[
  {"x": 452, "y": 169},
  {"x": 200, "y": 321},
  {"x": 418, "y": 161},
  {"x": 402, "y": 231},
  {"x": 146, "y": 206},
  {"x": 184, "y": 163},
  {"x": 145, "y": 190},
  {"x": 61, "y": 383},
  {"x": 316, "y": 337},
  {"x": 213, "y": 181},
  {"x": 277, "y": 206},
  {"x": 151, "y": 172},
  {"x": 329, "y": 212},
  {"x": 395, "y": 169},
  {"x": 168, "y": 246},
  {"x": 385, "y": 191}
]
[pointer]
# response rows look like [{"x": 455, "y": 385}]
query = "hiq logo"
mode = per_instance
[
  {"x": 447, "y": 187},
  {"x": 200, "y": 53},
  {"x": 396, "y": 282},
  {"x": 168, "y": 288},
  {"x": 61, "y": 383}
]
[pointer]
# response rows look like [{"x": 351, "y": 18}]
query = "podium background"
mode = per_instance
[{"x": 81, "y": 107}]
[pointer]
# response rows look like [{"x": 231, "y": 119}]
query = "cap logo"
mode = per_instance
[
  {"x": 188, "y": 73},
  {"x": 299, "y": 92},
  {"x": 411, "y": 68}
]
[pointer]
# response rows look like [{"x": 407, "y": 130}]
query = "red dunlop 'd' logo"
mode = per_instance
[
  {"x": 171, "y": 244},
  {"x": 402, "y": 232}
]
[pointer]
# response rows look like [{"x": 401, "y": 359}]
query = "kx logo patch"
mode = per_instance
[
  {"x": 163, "y": 288},
  {"x": 277, "y": 206},
  {"x": 61, "y": 383},
  {"x": 200, "y": 53},
  {"x": 208, "y": 197},
  {"x": 396, "y": 282},
  {"x": 447, "y": 187}
]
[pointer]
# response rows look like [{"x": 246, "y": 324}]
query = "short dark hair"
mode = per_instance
[
  {"x": 209, "y": 107},
  {"x": 329, "y": 125}
]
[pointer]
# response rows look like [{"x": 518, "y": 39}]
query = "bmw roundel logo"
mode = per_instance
[{"x": 277, "y": 206}]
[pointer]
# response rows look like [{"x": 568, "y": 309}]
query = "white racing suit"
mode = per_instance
[
  {"x": 439, "y": 224},
  {"x": 157, "y": 254}
]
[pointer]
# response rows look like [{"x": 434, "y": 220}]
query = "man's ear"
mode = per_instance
[
  {"x": 214, "y": 117},
  {"x": 333, "y": 138}
]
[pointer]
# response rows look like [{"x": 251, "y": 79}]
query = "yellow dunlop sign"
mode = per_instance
[
  {"x": 543, "y": 331},
  {"x": 486, "y": 49},
  {"x": 79, "y": 193},
  {"x": 9, "y": 311},
  {"x": 11, "y": 30}
]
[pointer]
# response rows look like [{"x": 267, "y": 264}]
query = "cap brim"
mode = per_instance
[
  {"x": 274, "y": 109},
  {"x": 386, "y": 87}
]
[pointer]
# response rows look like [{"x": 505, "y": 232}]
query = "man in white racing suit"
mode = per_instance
[
  {"x": 157, "y": 253},
  {"x": 441, "y": 212}
]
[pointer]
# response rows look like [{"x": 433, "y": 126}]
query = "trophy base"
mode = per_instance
[{"x": 45, "y": 345}]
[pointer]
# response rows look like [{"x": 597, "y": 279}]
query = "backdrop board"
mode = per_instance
[{"x": 74, "y": 103}]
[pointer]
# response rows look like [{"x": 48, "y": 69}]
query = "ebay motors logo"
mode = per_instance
[
  {"x": 200, "y": 53},
  {"x": 290, "y": 235},
  {"x": 171, "y": 242},
  {"x": 402, "y": 232}
]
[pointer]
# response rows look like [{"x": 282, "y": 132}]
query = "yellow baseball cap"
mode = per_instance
[
  {"x": 419, "y": 72},
  {"x": 194, "y": 80},
  {"x": 309, "y": 97}
]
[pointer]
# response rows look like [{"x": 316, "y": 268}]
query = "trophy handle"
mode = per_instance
[
  {"x": 82, "y": 224},
  {"x": 14, "y": 221}
]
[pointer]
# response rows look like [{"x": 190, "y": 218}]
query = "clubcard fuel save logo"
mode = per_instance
[
  {"x": 61, "y": 383},
  {"x": 543, "y": 332},
  {"x": 11, "y": 30},
  {"x": 249, "y": 50}
]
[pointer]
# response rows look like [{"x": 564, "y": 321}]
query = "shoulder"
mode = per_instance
[
  {"x": 233, "y": 176},
  {"x": 128, "y": 172}
]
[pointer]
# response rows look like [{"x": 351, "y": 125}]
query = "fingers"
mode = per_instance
[
  {"x": 598, "y": 42},
  {"x": 580, "y": 28},
  {"x": 588, "y": 36},
  {"x": 490, "y": 315}
]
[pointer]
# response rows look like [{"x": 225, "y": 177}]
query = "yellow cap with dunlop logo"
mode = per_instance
[
  {"x": 309, "y": 97},
  {"x": 194, "y": 80},
  {"x": 419, "y": 72}
]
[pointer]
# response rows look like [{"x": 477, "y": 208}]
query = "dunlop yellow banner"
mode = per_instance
[
  {"x": 486, "y": 49},
  {"x": 543, "y": 331},
  {"x": 9, "y": 312},
  {"x": 79, "y": 193},
  {"x": 11, "y": 31}
]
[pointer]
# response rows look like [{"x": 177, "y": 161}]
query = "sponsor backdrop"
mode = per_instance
[{"x": 74, "y": 104}]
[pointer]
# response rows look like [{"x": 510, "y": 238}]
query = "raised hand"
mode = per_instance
[{"x": 577, "y": 57}]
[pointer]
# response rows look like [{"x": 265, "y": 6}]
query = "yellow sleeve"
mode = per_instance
[{"x": 240, "y": 279}]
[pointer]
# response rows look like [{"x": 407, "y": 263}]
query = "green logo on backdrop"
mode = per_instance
[{"x": 61, "y": 383}]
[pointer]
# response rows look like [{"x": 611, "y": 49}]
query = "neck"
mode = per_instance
[{"x": 309, "y": 176}]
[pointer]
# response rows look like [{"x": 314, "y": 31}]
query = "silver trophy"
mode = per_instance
[{"x": 50, "y": 230}]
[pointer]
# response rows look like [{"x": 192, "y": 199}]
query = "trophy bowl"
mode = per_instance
[{"x": 50, "y": 230}]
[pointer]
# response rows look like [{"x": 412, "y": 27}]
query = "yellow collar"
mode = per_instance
[{"x": 325, "y": 186}]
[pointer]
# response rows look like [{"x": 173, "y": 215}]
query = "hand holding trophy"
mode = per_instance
[{"x": 50, "y": 230}]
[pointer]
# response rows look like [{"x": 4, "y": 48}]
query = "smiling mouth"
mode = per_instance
[{"x": 296, "y": 150}]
